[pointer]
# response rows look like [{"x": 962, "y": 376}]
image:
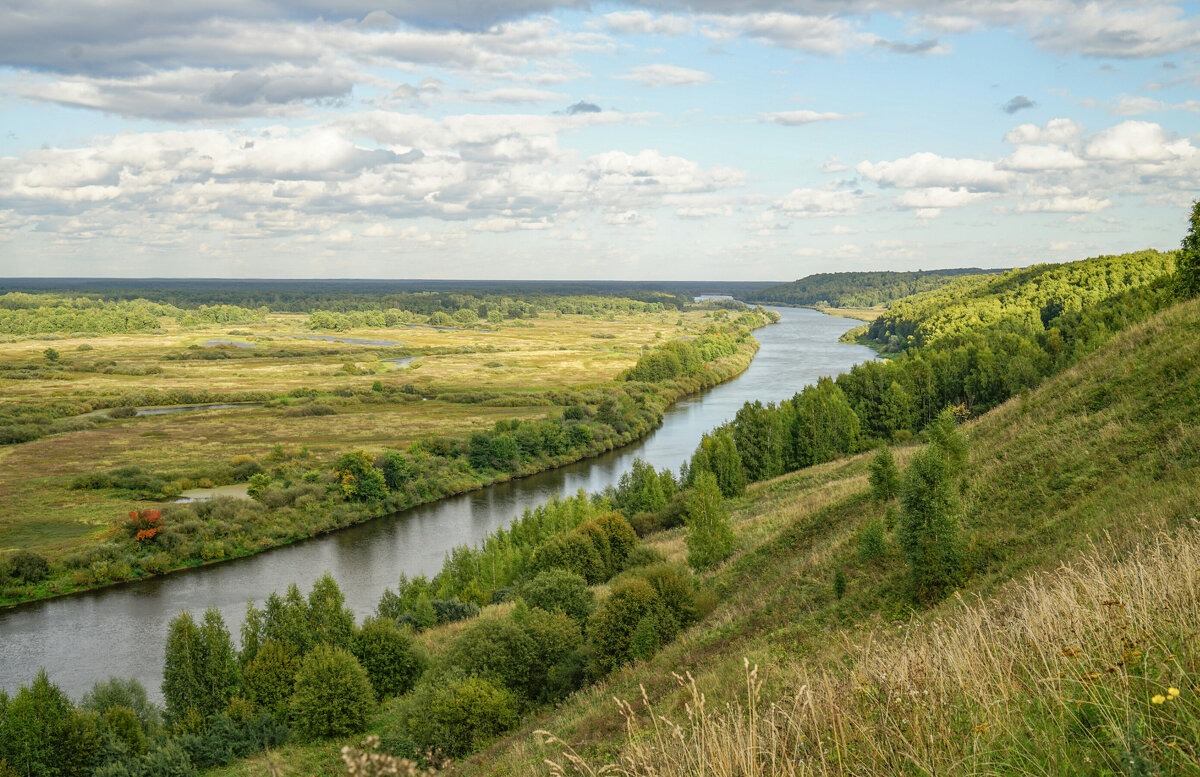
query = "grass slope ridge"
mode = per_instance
[{"x": 1105, "y": 455}]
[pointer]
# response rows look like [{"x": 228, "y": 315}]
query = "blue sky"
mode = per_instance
[{"x": 544, "y": 139}]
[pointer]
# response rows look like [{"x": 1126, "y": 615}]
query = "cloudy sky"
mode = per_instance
[{"x": 742, "y": 139}]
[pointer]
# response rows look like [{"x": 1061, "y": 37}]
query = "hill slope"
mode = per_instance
[{"x": 1102, "y": 460}]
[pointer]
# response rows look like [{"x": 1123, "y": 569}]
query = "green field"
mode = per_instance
[{"x": 458, "y": 380}]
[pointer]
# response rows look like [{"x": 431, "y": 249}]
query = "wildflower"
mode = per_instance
[
  {"x": 1157, "y": 698},
  {"x": 1172, "y": 692},
  {"x": 982, "y": 727}
]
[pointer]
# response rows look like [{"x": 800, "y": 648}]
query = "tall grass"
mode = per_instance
[{"x": 1094, "y": 669}]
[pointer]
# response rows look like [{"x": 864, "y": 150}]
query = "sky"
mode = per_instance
[{"x": 560, "y": 139}]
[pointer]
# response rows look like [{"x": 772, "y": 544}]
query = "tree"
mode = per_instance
[
  {"x": 561, "y": 590},
  {"x": 884, "y": 477},
  {"x": 51, "y": 355},
  {"x": 359, "y": 479},
  {"x": 329, "y": 620},
  {"x": 200, "y": 672},
  {"x": 391, "y": 658},
  {"x": 42, "y": 734},
  {"x": 119, "y": 692},
  {"x": 710, "y": 536},
  {"x": 333, "y": 696},
  {"x": 823, "y": 425},
  {"x": 928, "y": 530},
  {"x": 758, "y": 432},
  {"x": 396, "y": 469},
  {"x": 612, "y": 626},
  {"x": 1187, "y": 266},
  {"x": 457, "y": 715},
  {"x": 270, "y": 677},
  {"x": 718, "y": 454}
]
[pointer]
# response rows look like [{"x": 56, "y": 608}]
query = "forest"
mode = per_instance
[{"x": 857, "y": 289}]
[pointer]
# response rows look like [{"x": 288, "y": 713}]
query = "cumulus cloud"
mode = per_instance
[
  {"x": 1055, "y": 131},
  {"x": 799, "y": 118},
  {"x": 645, "y": 23},
  {"x": 926, "y": 169},
  {"x": 1030, "y": 158},
  {"x": 662, "y": 75},
  {"x": 820, "y": 202},
  {"x": 1137, "y": 141},
  {"x": 1018, "y": 103},
  {"x": 1064, "y": 205}
]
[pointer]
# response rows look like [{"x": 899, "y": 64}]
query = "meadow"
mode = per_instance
[{"x": 302, "y": 394}]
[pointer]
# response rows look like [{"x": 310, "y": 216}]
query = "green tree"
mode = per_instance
[
  {"x": 397, "y": 470},
  {"x": 561, "y": 590},
  {"x": 611, "y": 628},
  {"x": 200, "y": 671},
  {"x": 495, "y": 648},
  {"x": 929, "y": 526},
  {"x": 718, "y": 454},
  {"x": 458, "y": 715},
  {"x": 393, "y": 661},
  {"x": 221, "y": 676},
  {"x": 270, "y": 677},
  {"x": 884, "y": 477},
  {"x": 329, "y": 620},
  {"x": 51, "y": 355},
  {"x": 359, "y": 478},
  {"x": 710, "y": 537},
  {"x": 120, "y": 692},
  {"x": 758, "y": 432},
  {"x": 42, "y": 735},
  {"x": 823, "y": 425},
  {"x": 333, "y": 696},
  {"x": 1187, "y": 266}
]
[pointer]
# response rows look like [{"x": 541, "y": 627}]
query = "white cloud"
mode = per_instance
[
  {"x": 819, "y": 202},
  {"x": 939, "y": 198},
  {"x": 926, "y": 169},
  {"x": 1032, "y": 158},
  {"x": 1055, "y": 132},
  {"x": 1137, "y": 141},
  {"x": 1064, "y": 205},
  {"x": 799, "y": 118},
  {"x": 663, "y": 75},
  {"x": 645, "y": 23}
]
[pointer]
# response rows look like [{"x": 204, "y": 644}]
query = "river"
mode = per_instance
[{"x": 121, "y": 630}]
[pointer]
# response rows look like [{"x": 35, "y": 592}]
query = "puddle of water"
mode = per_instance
[
  {"x": 205, "y": 494},
  {"x": 347, "y": 340},
  {"x": 402, "y": 362},
  {"x": 237, "y": 343},
  {"x": 191, "y": 408}
]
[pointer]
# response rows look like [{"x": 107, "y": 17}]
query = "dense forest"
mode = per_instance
[{"x": 857, "y": 289}]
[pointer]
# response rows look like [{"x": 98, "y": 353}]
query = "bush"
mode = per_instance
[
  {"x": 27, "y": 566},
  {"x": 458, "y": 715},
  {"x": 872, "y": 542},
  {"x": 675, "y": 590},
  {"x": 554, "y": 637},
  {"x": 495, "y": 648},
  {"x": 122, "y": 724},
  {"x": 450, "y": 610},
  {"x": 118, "y": 692},
  {"x": 391, "y": 658},
  {"x": 333, "y": 696},
  {"x": 309, "y": 411},
  {"x": 122, "y": 412},
  {"x": 572, "y": 551},
  {"x": 620, "y": 535},
  {"x": 611, "y": 628},
  {"x": 561, "y": 590},
  {"x": 885, "y": 478},
  {"x": 644, "y": 556}
]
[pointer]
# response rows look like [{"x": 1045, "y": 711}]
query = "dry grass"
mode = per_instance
[{"x": 1079, "y": 672}]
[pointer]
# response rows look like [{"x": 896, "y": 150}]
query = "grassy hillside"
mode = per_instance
[
  {"x": 1058, "y": 655},
  {"x": 1056, "y": 675},
  {"x": 857, "y": 289}
]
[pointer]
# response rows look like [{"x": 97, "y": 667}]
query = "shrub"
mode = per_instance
[
  {"x": 27, "y": 566},
  {"x": 675, "y": 590},
  {"x": 928, "y": 530},
  {"x": 554, "y": 637},
  {"x": 122, "y": 412},
  {"x": 450, "y": 610},
  {"x": 119, "y": 692},
  {"x": 885, "y": 478},
  {"x": 573, "y": 551},
  {"x": 620, "y": 535},
  {"x": 872, "y": 542},
  {"x": 333, "y": 696},
  {"x": 495, "y": 648},
  {"x": 644, "y": 556},
  {"x": 610, "y": 630},
  {"x": 42, "y": 734},
  {"x": 309, "y": 411},
  {"x": 360, "y": 480},
  {"x": 458, "y": 715},
  {"x": 122, "y": 723},
  {"x": 391, "y": 658},
  {"x": 561, "y": 590}
]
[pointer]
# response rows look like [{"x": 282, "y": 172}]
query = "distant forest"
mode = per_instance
[
  {"x": 857, "y": 289},
  {"x": 422, "y": 296}
]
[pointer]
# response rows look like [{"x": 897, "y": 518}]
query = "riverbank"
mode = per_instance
[{"x": 289, "y": 509}]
